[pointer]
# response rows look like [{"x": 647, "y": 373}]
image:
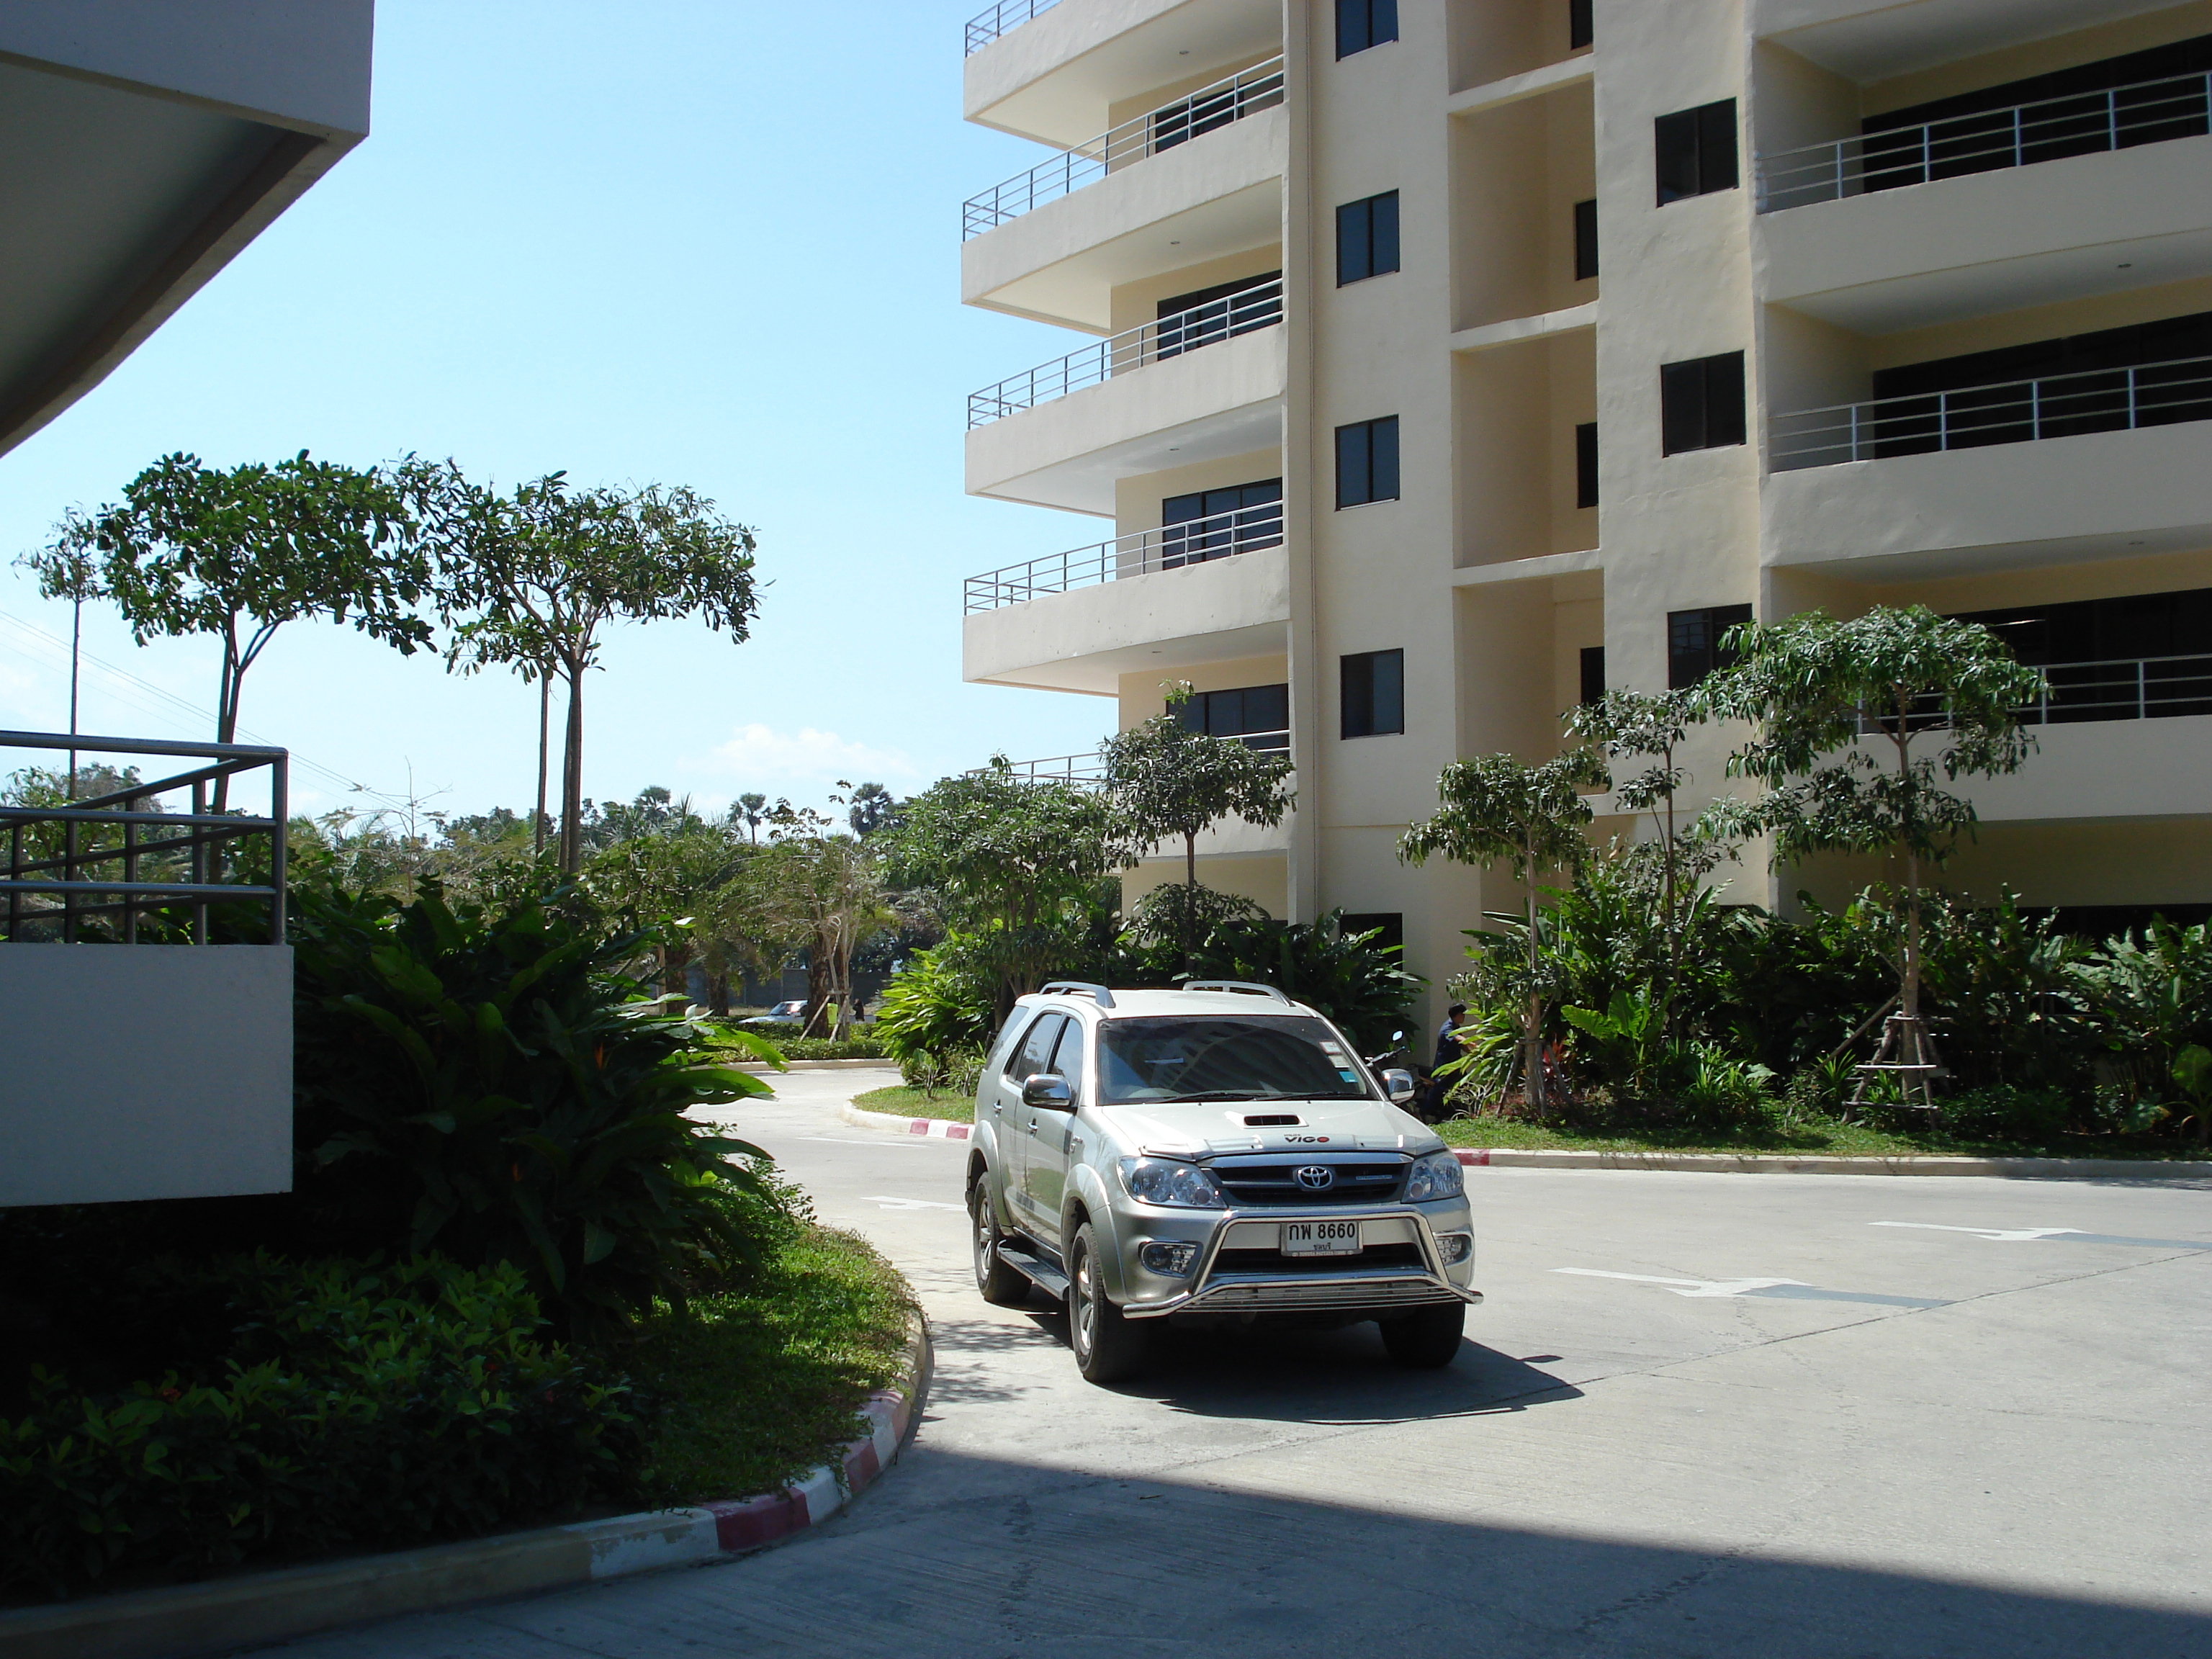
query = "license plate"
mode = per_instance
[{"x": 1320, "y": 1238}]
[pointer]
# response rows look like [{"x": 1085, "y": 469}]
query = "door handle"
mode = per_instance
[{"x": 1033, "y": 1124}]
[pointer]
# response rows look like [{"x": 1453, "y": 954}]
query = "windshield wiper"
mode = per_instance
[{"x": 1216, "y": 1093}]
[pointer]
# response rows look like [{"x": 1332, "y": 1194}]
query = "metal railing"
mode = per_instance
[
  {"x": 1171, "y": 547},
  {"x": 2015, "y": 412},
  {"x": 1245, "y": 92},
  {"x": 2047, "y": 129},
  {"x": 987, "y": 26},
  {"x": 2076, "y": 693},
  {"x": 167, "y": 863},
  {"x": 1090, "y": 770},
  {"x": 1243, "y": 313}
]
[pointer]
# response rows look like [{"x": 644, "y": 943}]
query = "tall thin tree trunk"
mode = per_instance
[
  {"x": 572, "y": 775},
  {"x": 1190, "y": 902},
  {"x": 1532, "y": 1036},
  {"x": 544, "y": 720}
]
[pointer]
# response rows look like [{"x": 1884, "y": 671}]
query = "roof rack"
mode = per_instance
[
  {"x": 1098, "y": 993},
  {"x": 1250, "y": 987}
]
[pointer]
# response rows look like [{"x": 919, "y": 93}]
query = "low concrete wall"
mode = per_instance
[{"x": 144, "y": 1070}]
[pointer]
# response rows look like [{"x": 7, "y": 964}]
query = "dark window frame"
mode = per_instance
[
  {"x": 1586, "y": 491},
  {"x": 1367, "y": 238},
  {"x": 1580, "y": 32},
  {"x": 1592, "y": 666},
  {"x": 1702, "y": 404},
  {"x": 1695, "y": 152},
  {"x": 1586, "y": 240},
  {"x": 1251, "y": 521},
  {"x": 1239, "y": 711},
  {"x": 1361, "y": 24},
  {"x": 1693, "y": 642},
  {"x": 1371, "y": 693},
  {"x": 1367, "y": 462}
]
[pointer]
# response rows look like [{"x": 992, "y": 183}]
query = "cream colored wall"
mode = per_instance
[
  {"x": 2045, "y": 322},
  {"x": 1518, "y": 169},
  {"x": 2149, "y": 863},
  {"x": 2059, "y": 52},
  {"x": 2103, "y": 578},
  {"x": 1159, "y": 97},
  {"x": 1262, "y": 878},
  {"x": 1491, "y": 39},
  {"x": 1138, "y": 302},
  {"x": 1516, "y": 408},
  {"x": 1137, "y": 499},
  {"x": 1143, "y": 695}
]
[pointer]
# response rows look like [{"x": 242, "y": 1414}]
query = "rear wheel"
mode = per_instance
[
  {"x": 999, "y": 1284},
  {"x": 1428, "y": 1339},
  {"x": 1109, "y": 1344}
]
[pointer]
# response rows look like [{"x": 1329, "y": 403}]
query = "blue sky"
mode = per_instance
[{"x": 713, "y": 242}]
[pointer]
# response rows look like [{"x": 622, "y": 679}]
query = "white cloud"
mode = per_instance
[{"x": 760, "y": 757}]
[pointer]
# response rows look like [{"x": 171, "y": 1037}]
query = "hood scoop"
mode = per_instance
[{"x": 1273, "y": 1120}]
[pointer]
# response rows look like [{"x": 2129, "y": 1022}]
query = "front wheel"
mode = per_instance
[
  {"x": 999, "y": 1284},
  {"x": 1109, "y": 1344},
  {"x": 1426, "y": 1341}
]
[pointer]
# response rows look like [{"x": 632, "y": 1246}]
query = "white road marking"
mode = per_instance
[
  {"x": 1996, "y": 1234},
  {"x": 908, "y": 1203},
  {"x": 1697, "y": 1286},
  {"x": 871, "y": 1141}
]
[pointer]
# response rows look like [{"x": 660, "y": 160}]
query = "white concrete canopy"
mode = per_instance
[{"x": 1870, "y": 41}]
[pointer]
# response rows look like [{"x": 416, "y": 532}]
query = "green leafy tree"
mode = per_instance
[
  {"x": 1167, "y": 781},
  {"x": 1498, "y": 808},
  {"x": 238, "y": 553},
  {"x": 826, "y": 891},
  {"x": 870, "y": 808},
  {"x": 748, "y": 810},
  {"x": 1013, "y": 863},
  {"x": 1854, "y": 720},
  {"x": 534, "y": 577}
]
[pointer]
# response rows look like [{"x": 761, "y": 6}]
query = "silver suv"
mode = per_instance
[{"x": 1216, "y": 1154}]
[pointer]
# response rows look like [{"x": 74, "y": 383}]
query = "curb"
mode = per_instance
[
  {"x": 251, "y": 1608},
  {"x": 765, "y": 1070},
  {"x": 2013, "y": 1169},
  {"x": 941, "y": 1127}
]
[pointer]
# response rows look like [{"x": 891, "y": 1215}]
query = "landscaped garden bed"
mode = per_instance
[{"x": 902, "y": 1100}]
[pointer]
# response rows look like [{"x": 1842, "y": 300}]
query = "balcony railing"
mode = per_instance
[
  {"x": 1216, "y": 320},
  {"x": 1171, "y": 547},
  {"x": 2076, "y": 693},
  {"x": 987, "y": 26},
  {"x": 1090, "y": 770},
  {"x": 1245, "y": 92},
  {"x": 135, "y": 873},
  {"x": 2017, "y": 411},
  {"x": 2048, "y": 129}
]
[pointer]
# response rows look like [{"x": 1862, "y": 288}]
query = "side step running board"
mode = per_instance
[{"x": 1046, "y": 1276}]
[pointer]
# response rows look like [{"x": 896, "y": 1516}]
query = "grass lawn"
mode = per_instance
[
  {"x": 903, "y": 1102},
  {"x": 768, "y": 1384},
  {"x": 1819, "y": 1137}
]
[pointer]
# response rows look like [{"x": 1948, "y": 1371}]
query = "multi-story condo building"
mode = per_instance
[{"x": 1456, "y": 359}]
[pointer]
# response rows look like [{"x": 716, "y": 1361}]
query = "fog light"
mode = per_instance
[
  {"x": 1173, "y": 1260},
  {"x": 1452, "y": 1248}
]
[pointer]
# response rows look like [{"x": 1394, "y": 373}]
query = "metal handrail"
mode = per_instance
[
  {"x": 1245, "y": 92},
  {"x": 987, "y": 26},
  {"x": 1090, "y": 770},
  {"x": 1171, "y": 547},
  {"x": 2163, "y": 394},
  {"x": 1986, "y": 141},
  {"x": 1243, "y": 313},
  {"x": 190, "y": 864},
  {"x": 2113, "y": 688}
]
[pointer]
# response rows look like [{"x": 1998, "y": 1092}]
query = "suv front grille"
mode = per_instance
[
  {"x": 1277, "y": 1183},
  {"x": 1274, "y": 1262}
]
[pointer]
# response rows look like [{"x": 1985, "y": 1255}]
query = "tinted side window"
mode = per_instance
[
  {"x": 1068, "y": 1055},
  {"x": 1034, "y": 1055}
]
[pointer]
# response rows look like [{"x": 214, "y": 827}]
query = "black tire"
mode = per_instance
[
  {"x": 998, "y": 1283},
  {"x": 1427, "y": 1340},
  {"x": 1109, "y": 1344}
]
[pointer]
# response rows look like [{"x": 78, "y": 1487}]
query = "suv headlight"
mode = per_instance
[
  {"x": 1435, "y": 1177},
  {"x": 1164, "y": 1181}
]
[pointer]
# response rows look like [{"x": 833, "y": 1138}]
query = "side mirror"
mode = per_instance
[
  {"x": 1047, "y": 1093},
  {"x": 1399, "y": 1085}
]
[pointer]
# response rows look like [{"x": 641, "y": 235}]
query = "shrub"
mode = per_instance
[
  {"x": 933, "y": 1006},
  {"x": 1724, "y": 1092},
  {"x": 852, "y": 1048},
  {"x": 2004, "y": 1112},
  {"x": 351, "y": 1405}
]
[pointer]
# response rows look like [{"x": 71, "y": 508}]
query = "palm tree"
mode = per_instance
[
  {"x": 748, "y": 813},
  {"x": 872, "y": 806}
]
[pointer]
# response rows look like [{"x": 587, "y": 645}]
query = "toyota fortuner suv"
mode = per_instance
[{"x": 1215, "y": 1154}]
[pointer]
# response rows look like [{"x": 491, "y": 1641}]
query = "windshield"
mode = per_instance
[{"x": 1199, "y": 1058}]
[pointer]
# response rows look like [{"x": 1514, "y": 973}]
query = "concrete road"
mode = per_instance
[{"x": 1775, "y": 1417}]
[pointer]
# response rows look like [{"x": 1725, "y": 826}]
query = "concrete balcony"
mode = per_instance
[
  {"x": 1057, "y": 72},
  {"x": 2008, "y": 506},
  {"x": 1869, "y": 41},
  {"x": 2142, "y": 769},
  {"x": 1202, "y": 385},
  {"x": 1160, "y": 621},
  {"x": 1889, "y": 259},
  {"x": 1166, "y": 208}
]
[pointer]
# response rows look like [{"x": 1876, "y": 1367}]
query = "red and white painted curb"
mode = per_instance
[{"x": 939, "y": 1127}]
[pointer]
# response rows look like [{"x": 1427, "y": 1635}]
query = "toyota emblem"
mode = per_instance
[{"x": 1316, "y": 1177}]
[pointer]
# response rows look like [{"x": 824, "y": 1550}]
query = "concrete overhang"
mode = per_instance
[
  {"x": 1057, "y": 77},
  {"x": 1869, "y": 41},
  {"x": 1220, "y": 194},
  {"x": 142, "y": 144},
  {"x": 2010, "y": 507},
  {"x": 2106, "y": 770},
  {"x": 1207, "y": 405},
  {"x": 1993, "y": 242},
  {"x": 1165, "y": 620}
]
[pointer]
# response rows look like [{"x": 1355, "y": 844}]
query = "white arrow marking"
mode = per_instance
[
  {"x": 1996, "y": 1235},
  {"x": 909, "y": 1203},
  {"x": 1697, "y": 1286}
]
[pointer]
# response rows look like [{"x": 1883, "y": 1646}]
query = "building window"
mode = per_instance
[
  {"x": 1367, "y": 462},
  {"x": 1585, "y": 240},
  {"x": 1364, "y": 23},
  {"x": 1374, "y": 694},
  {"x": 1259, "y": 713},
  {"x": 1390, "y": 924},
  {"x": 1578, "y": 24},
  {"x": 1367, "y": 238},
  {"x": 1593, "y": 686},
  {"x": 1212, "y": 524},
  {"x": 1206, "y": 315},
  {"x": 1697, "y": 151},
  {"x": 1701, "y": 403},
  {"x": 1586, "y": 465},
  {"x": 2142, "y": 656},
  {"x": 1693, "y": 642}
]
